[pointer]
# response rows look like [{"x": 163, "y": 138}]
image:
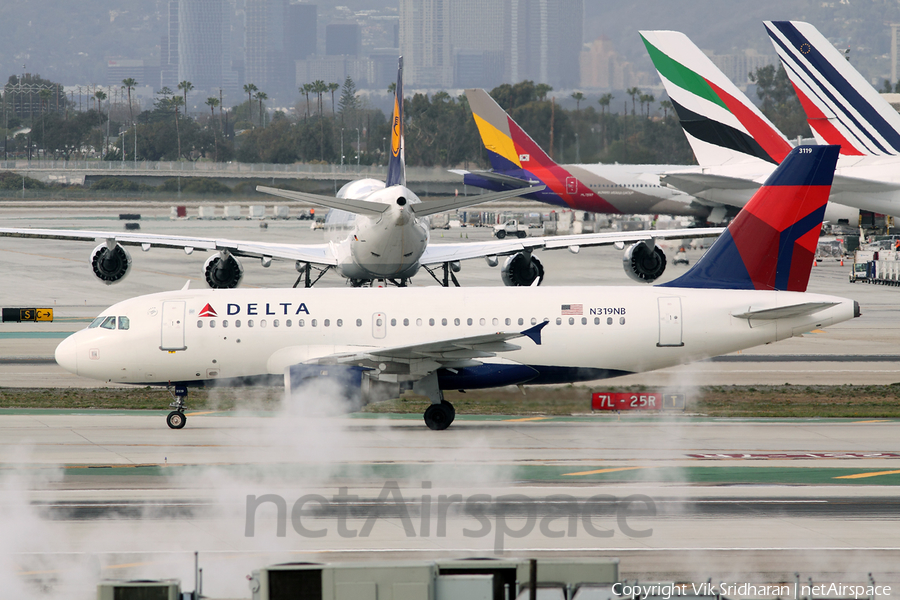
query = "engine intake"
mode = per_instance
[
  {"x": 110, "y": 265},
  {"x": 223, "y": 271},
  {"x": 522, "y": 269},
  {"x": 644, "y": 263}
]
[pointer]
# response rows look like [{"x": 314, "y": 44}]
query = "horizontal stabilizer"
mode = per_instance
[
  {"x": 357, "y": 207},
  {"x": 438, "y": 206},
  {"x": 784, "y": 312},
  {"x": 500, "y": 178}
]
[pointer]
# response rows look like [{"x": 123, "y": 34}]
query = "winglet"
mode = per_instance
[
  {"x": 534, "y": 333},
  {"x": 396, "y": 174}
]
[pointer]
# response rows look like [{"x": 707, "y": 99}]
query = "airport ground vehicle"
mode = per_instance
[{"x": 510, "y": 228}]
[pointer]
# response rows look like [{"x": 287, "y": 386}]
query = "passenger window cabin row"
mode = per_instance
[{"x": 495, "y": 322}]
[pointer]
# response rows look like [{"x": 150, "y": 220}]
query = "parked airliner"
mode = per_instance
[
  {"x": 737, "y": 147},
  {"x": 378, "y": 231},
  {"x": 517, "y": 161},
  {"x": 748, "y": 289}
]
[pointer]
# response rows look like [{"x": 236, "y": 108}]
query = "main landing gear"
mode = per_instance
[
  {"x": 439, "y": 416},
  {"x": 441, "y": 413},
  {"x": 176, "y": 419}
]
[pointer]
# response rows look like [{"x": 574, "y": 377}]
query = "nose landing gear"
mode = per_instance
[{"x": 177, "y": 419}]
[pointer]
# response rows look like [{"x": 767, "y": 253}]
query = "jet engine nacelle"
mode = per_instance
[
  {"x": 223, "y": 271},
  {"x": 110, "y": 265},
  {"x": 522, "y": 269},
  {"x": 644, "y": 262}
]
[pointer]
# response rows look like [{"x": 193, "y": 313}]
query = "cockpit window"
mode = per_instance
[
  {"x": 108, "y": 323},
  {"x": 124, "y": 323},
  {"x": 96, "y": 322}
]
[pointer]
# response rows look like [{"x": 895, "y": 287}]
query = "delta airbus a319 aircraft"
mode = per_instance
[
  {"x": 378, "y": 231},
  {"x": 747, "y": 290}
]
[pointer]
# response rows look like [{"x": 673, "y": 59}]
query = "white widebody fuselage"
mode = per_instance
[
  {"x": 387, "y": 246},
  {"x": 193, "y": 336}
]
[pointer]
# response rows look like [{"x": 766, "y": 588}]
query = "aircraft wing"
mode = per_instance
[
  {"x": 322, "y": 254},
  {"x": 695, "y": 183},
  {"x": 858, "y": 185},
  {"x": 429, "y": 356},
  {"x": 441, "y": 253}
]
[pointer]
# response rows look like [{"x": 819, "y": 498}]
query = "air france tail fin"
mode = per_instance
[
  {"x": 396, "y": 174},
  {"x": 719, "y": 121},
  {"x": 841, "y": 107},
  {"x": 771, "y": 244}
]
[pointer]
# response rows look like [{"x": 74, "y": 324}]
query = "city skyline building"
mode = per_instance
[{"x": 487, "y": 42}]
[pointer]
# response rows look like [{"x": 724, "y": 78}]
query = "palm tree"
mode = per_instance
[
  {"x": 212, "y": 102},
  {"x": 129, "y": 84},
  {"x": 666, "y": 106},
  {"x": 648, "y": 100},
  {"x": 305, "y": 89},
  {"x": 175, "y": 102},
  {"x": 185, "y": 86},
  {"x": 578, "y": 96},
  {"x": 333, "y": 87},
  {"x": 604, "y": 102},
  {"x": 634, "y": 92},
  {"x": 100, "y": 95},
  {"x": 320, "y": 88},
  {"x": 249, "y": 88},
  {"x": 541, "y": 90},
  {"x": 261, "y": 96},
  {"x": 392, "y": 89}
]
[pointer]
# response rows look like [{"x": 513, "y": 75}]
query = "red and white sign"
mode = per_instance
[{"x": 626, "y": 401}]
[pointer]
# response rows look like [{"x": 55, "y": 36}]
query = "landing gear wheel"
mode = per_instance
[
  {"x": 451, "y": 408},
  {"x": 439, "y": 416},
  {"x": 176, "y": 419}
]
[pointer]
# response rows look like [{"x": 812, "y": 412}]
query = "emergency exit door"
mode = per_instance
[
  {"x": 571, "y": 185},
  {"x": 670, "y": 329},
  {"x": 172, "y": 326}
]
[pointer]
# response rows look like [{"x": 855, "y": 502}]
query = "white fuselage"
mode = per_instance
[
  {"x": 846, "y": 199},
  {"x": 378, "y": 247},
  {"x": 255, "y": 332}
]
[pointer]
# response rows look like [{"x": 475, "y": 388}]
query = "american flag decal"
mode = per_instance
[{"x": 572, "y": 309}]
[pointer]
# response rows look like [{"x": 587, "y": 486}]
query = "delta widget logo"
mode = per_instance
[{"x": 208, "y": 311}]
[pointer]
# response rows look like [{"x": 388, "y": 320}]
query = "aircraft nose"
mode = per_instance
[{"x": 66, "y": 355}]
